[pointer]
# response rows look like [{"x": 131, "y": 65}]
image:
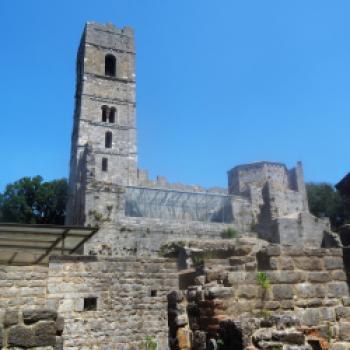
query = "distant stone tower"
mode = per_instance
[{"x": 104, "y": 152}]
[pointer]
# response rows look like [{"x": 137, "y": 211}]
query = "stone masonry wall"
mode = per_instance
[
  {"x": 306, "y": 284},
  {"x": 145, "y": 236},
  {"x": 36, "y": 329},
  {"x": 131, "y": 300},
  {"x": 22, "y": 286}
]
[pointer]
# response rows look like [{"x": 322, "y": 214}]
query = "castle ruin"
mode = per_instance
[{"x": 168, "y": 266}]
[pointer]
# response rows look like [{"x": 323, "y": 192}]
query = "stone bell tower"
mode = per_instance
[{"x": 104, "y": 152}]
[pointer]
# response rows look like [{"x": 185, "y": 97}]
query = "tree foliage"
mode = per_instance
[
  {"x": 32, "y": 201},
  {"x": 326, "y": 201}
]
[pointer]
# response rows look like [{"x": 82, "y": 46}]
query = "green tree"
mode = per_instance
[
  {"x": 30, "y": 200},
  {"x": 326, "y": 201}
]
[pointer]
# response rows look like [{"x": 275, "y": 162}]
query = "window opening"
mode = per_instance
[
  {"x": 112, "y": 112},
  {"x": 90, "y": 304},
  {"x": 108, "y": 139},
  {"x": 104, "y": 113},
  {"x": 104, "y": 164},
  {"x": 110, "y": 65}
]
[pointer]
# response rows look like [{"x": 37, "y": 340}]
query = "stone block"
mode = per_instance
[
  {"x": 327, "y": 314},
  {"x": 236, "y": 277},
  {"x": 281, "y": 292},
  {"x": 346, "y": 301},
  {"x": 338, "y": 275},
  {"x": 340, "y": 346},
  {"x": 35, "y": 315},
  {"x": 20, "y": 336},
  {"x": 318, "y": 277},
  {"x": 286, "y": 277},
  {"x": 344, "y": 331},
  {"x": 11, "y": 318},
  {"x": 342, "y": 312},
  {"x": 337, "y": 289},
  {"x": 310, "y": 317},
  {"x": 247, "y": 291},
  {"x": 308, "y": 263},
  {"x": 286, "y": 263},
  {"x": 308, "y": 290},
  {"x": 291, "y": 337},
  {"x": 333, "y": 262},
  {"x": 45, "y": 334},
  {"x": 220, "y": 292},
  {"x": 273, "y": 250},
  {"x": 287, "y": 304}
]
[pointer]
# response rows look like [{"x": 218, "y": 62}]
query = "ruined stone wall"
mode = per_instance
[
  {"x": 306, "y": 284},
  {"x": 32, "y": 328},
  {"x": 22, "y": 286},
  {"x": 145, "y": 236},
  {"x": 131, "y": 300},
  {"x": 143, "y": 180}
]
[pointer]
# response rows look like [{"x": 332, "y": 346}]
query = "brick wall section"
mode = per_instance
[
  {"x": 22, "y": 285},
  {"x": 126, "y": 310}
]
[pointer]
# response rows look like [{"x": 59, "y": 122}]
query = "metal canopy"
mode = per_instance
[{"x": 24, "y": 244}]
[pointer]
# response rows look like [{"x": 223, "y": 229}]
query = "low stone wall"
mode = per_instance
[
  {"x": 22, "y": 285},
  {"x": 112, "y": 303},
  {"x": 30, "y": 328}
]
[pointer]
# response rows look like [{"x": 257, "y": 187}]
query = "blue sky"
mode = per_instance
[{"x": 219, "y": 83}]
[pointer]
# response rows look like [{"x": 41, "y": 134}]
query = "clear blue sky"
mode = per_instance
[{"x": 219, "y": 83}]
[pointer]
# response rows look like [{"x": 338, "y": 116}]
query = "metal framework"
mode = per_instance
[{"x": 25, "y": 244}]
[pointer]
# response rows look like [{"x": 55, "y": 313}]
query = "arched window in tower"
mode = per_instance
[
  {"x": 108, "y": 139},
  {"x": 104, "y": 113},
  {"x": 110, "y": 65},
  {"x": 112, "y": 113}
]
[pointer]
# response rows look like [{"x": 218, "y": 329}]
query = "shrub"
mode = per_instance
[
  {"x": 149, "y": 343},
  {"x": 230, "y": 232},
  {"x": 263, "y": 280}
]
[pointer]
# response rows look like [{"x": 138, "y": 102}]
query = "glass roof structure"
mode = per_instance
[{"x": 25, "y": 244}]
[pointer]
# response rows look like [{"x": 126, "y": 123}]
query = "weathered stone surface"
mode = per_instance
[
  {"x": 333, "y": 262},
  {"x": 220, "y": 292},
  {"x": 281, "y": 292},
  {"x": 282, "y": 277},
  {"x": 35, "y": 315},
  {"x": 308, "y": 290},
  {"x": 21, "y": 336},
  {"x": 318, "y": 277},
  {"x": 344, "y": 331},
  {"x": 342, "y": 312},
  {"x": 337, "y": 289},
  {"x": 183, "y": 338},
  {"x": 45, "y": 333},
  {"x": 340, "y": 346},
  {"x": 292, "y": 337},
  {"x": 308, "y": 263},
  {"x": 310, "y": 317},
  {"x": 199, "y": 340},
  {"x": 11, "y": 318}
]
